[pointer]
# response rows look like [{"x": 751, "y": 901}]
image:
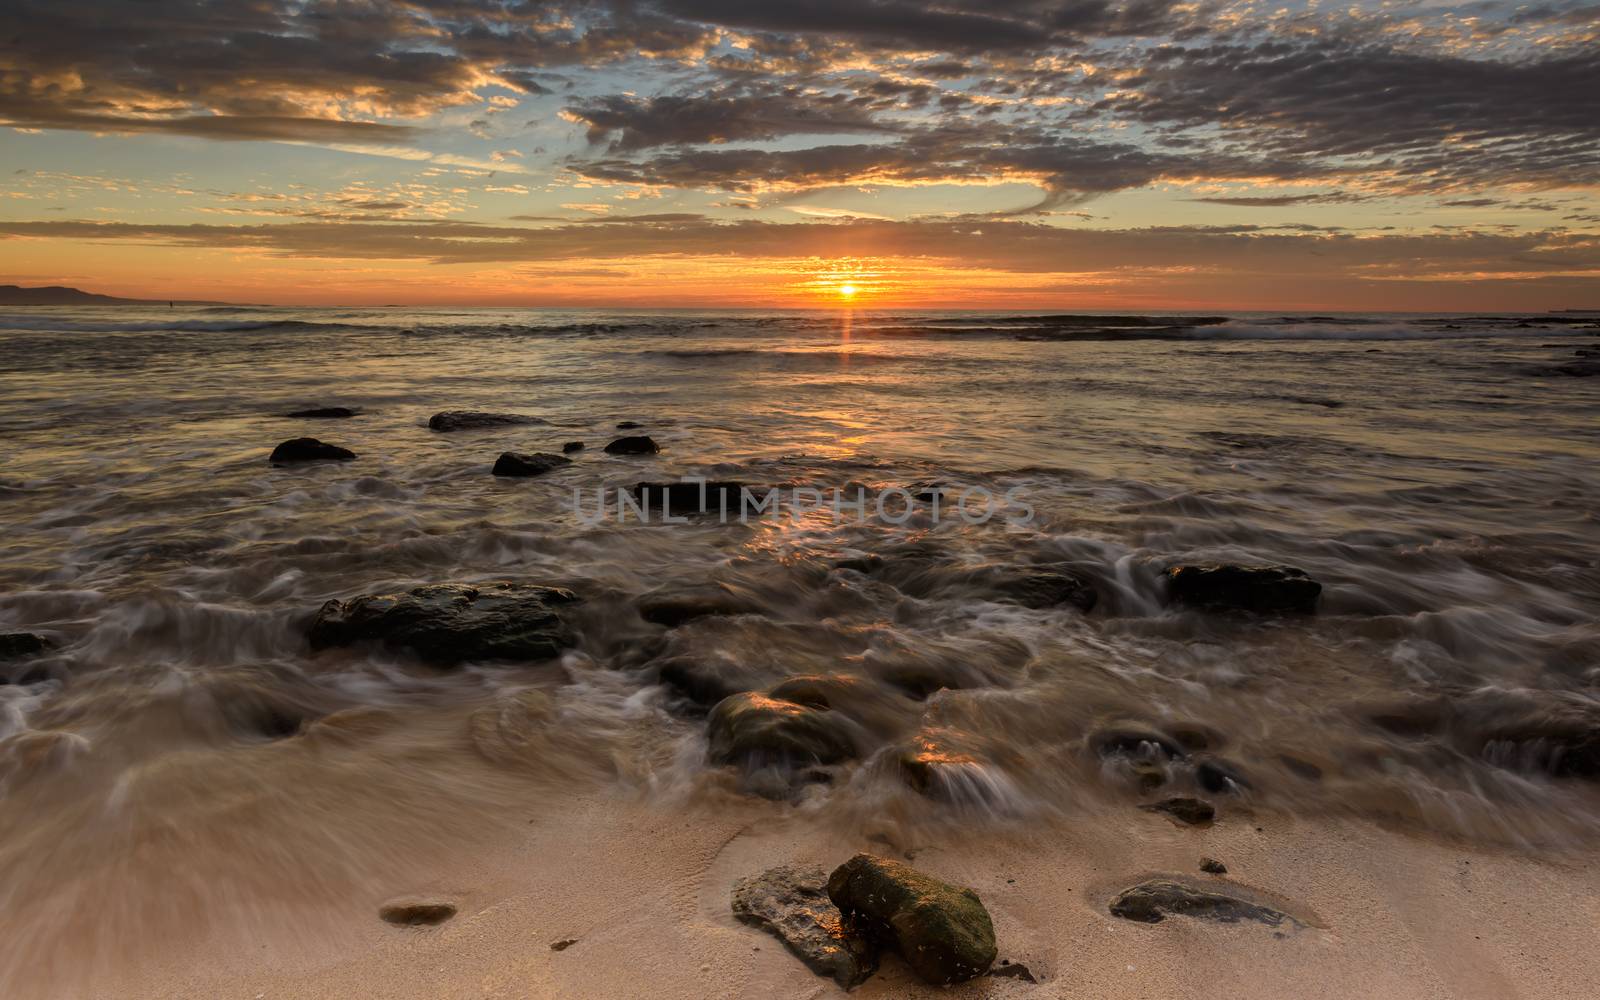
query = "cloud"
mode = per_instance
[
  {"x": 1281, "y": 200},
  {"x": 635, "y": 123}
]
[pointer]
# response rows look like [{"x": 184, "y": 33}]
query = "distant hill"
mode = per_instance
[{"x": 60, "y": 295}]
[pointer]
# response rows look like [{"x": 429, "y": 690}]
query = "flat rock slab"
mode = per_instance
[
  {"x": 942, "y": 931},
  {"x": 512, "y": 463},
  {"x": 1191, "y": 812},
  {"x": 791, "y": 903},
  {"x": 1261, "y": 589},
  {"x": 446, "y": 624},
  {"x": 1153, "y": 901},
  {"x": 468, "y": 420},
  {"x": 417, "y": 914}
]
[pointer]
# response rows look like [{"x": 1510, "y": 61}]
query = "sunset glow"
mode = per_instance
[{"x": 692, "y": 155}]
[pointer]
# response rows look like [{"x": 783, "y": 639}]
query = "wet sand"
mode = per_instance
[{"x": 644, "y": 893}]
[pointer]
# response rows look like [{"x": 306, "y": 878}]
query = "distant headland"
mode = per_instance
[{"x": 61, "y": 295}]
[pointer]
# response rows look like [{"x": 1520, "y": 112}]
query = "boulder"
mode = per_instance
[
  {"x": 470, "y": 420},
  {"x": 512, "y": 463},
  {"x": 1189, "y": 811},
  {"x": 639, "y": 445},
  {"x": 447, "y": 624},
  {"x": 1151, "y": 902},
  {"x": 756, "y": 730},
  {"x": 323, "y": 413},
  {"x": 942, "y": 931},
  {"x": 1211, "y": 866},
  {"x": 705, "y": 681},
  {"x": 1261, "y": 589},
  {"x": 16, "y": 645},
  {"x": 571, "y": 446},
  {"x": 791, "y": 903},
  {"x": 1048, "y": 589},
  {"x": 309, "y": 450},
  {"x": 417, "y": 914}
]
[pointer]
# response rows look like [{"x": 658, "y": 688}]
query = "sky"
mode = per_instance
[{"x": 985, "y": 154}]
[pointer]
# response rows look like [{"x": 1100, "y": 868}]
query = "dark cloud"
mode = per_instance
[
  {"x": 635, "y": 123},
  {"x": 1281, "y": 200},
  {"x": 1409, "y": 120}
]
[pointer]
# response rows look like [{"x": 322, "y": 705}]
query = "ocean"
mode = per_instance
[{"x": 180, "y": 739}]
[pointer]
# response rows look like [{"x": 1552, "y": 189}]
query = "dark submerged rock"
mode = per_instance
[
  {"x": 571, "y": 446},
  {"x": 468, "y": 420},
  {"x": 791, "y": 903},
  {"x": 628, "y": 425},
  {"x": 323, "y": 413},
  {"x": 682, "y": 499},
  {"x": 1049, "y": 589},
  {"x": 1151, "y": 902},
  {"x": 16, "y": 645},
  {"x": 1220, "y": 777},
  {"x": 449, "y": 623},
  {"x": 673, "y": 606},
  {"x": 1260, "y": 589},
  {"x": 638, "y": 445},
  {"x": 757, "y": 730},
  {"x": 1190, "y": 811},
  {"x": 705, "y": 681},
  {"x": 942, "y": 931},
  {"x": 309, "y": 450},
  {"x": 513, "y": 463},
  {"x": 1211, "y": 866},
  {"x": 417, "y": 914}
]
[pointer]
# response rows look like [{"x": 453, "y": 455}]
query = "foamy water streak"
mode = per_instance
[{"x": 1439, "y": 489}]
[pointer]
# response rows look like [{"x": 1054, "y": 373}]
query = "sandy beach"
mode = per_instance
[{"x": 643, "y": 894}]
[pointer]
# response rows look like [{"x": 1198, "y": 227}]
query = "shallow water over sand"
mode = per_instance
[{"x": 182, "y": 755}]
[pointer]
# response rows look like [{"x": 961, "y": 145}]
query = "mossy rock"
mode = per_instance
[{"x": 942, "y": 931}]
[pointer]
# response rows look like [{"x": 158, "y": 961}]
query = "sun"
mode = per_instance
[{"x": 847, "y": 291}]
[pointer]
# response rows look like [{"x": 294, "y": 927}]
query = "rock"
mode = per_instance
[
  {"x": 705, "y": 681},
  {"x": 511, "y": 463},
  {"x": 1048, "y": 590},
  {"x": 1220, "y": 777},
  {"x": 571, "y": 446},
  {"x": 309, "y": 450},
  {"x": 641, "y": 445},
  {"x": 922, "y": 678},
  {"x": 417, "y": 914},
  {"x": 16, "y": 645},
  {"x": 471, "y": 420},
  {"x": 449, "y": 623},
  {"x": 1211, "y": 866},
  {"x": 1012, "y": 970},
  {"x": 673, "y": 606},
  {"x": 1194, "y": 812},
  {"x": 628, "y": 425},
  {"x": 1131, "y": 741},
  {"x": 682, "y": 498},
  {"x": 323, "y": 413},
  {"x": 943, "y": 932},
  {"x": 1260, "y": 589},
  {"x": 791, "y": 903},
  {"x": 1150, "y": 902},
  {"x": 756, "y": 730},
  {"x": 563, "y": 944}
]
